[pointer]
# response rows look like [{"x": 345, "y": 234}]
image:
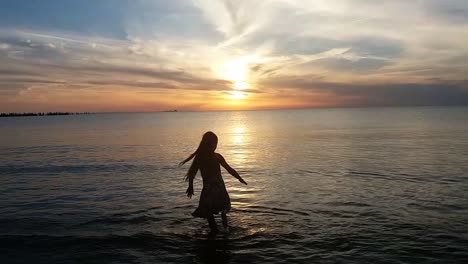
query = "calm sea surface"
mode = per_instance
[{"x": 375, "y": 185}]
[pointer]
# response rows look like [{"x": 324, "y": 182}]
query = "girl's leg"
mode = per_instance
[
  {"x": 212, "y": 223},
  {"x": 225, "y": 221}
]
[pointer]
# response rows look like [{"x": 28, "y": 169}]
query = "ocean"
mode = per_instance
[{"x": 344, "y": 185}]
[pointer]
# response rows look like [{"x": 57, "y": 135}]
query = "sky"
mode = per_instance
[{"x": 203, "y": 55}]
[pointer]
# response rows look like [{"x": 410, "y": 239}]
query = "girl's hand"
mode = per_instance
[
  {"x": 242, "y": 181},
  {"x": 189, "y": 191}
]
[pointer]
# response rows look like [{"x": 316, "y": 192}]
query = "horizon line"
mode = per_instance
[{"x": 238, "y": 110}]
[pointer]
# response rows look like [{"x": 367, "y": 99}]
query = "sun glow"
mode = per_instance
[
  {"x": 238, "y": 135},
  {"x": 237, "y": 95},
  {"x": 234, "y": 71},
  {"x": 240, "y": 85},
  {"x": 237, "y": 72}
]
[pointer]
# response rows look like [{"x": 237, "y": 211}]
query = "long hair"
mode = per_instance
[{"x": 206, "y": 147}]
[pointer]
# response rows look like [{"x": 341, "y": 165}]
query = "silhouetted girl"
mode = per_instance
[{"x": 214, "y": 197}]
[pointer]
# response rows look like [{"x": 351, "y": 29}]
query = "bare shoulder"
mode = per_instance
[{"x": 219, "y": 157}]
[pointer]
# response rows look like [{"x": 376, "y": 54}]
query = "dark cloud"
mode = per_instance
[
  {"x": 109, "y": 75},
  {"x": 77, "y": 62},
  {"x": 27, "y": 80},
  {"x": 374, "y": 46},
  {"x": 10, "y": 88},
  {"x": 265, "y": 70},
  {"x": 179, "y": 76},
  {"x": 415, "y": 94},
  {"x": 160, "y": 85},
  {"x": 346, "y": 65},
  {"x": 286, "y": 44},
  {"x": 15, "y": 72},
  {"x": 454, "y": 11},
  {"x": 17, "y": 42},
  {"x": 389, "y": 94},
  {"x": 305, "y": 45},
  {"x": 32, "y": 49},
  {"x": 108, "y": 71}
]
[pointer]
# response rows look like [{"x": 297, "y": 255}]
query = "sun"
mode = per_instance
[
  {"x": 240, "y": 85},
  {"x": 237, "y": 95},
  {"x": 236, "y": 71}
]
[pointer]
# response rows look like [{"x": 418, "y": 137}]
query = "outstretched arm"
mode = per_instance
[
  {"x": 189, "y": 191},
  {"x": 189, "y": 177},
  {"x": 229, "y": 169}
]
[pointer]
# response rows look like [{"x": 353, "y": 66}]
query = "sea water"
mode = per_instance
[{"x": 361, "y": 185}]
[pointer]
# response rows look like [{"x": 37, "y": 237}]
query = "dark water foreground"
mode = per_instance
[
  {"x": 258, "y": 235},
  {"x": 336, "y": 186}
]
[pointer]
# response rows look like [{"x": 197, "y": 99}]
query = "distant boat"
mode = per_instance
[{"x": 175, "y": 110}]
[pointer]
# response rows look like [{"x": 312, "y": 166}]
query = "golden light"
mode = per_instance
[
  {"x": 238, "y": 135},
  {"x": 237, "y": 72},
  {"x": 237, "y": 95},
  {"x": 241, "y": 85},
  {"x": 239, "y": 130},
  {"x": 234, "y": 71},
  {"x": 240, "y": 138}
]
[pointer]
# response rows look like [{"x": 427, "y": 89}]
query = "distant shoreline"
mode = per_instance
[
  {"x": 44, "y": 114},
  {"x": 224, "y": 110}
]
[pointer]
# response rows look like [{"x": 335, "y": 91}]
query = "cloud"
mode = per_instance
[
  {"x": 15, "y": 72},
  {"x": 158, "y": 85},
  {"x": 358, "y": 51},
  {"x": 231, "y": 18},
  {"x": 34, "y": 54},
  {"x": 365, "y": 65},
  {"x": 453, "y": 11},
  {"x": 433, "y": 92}
]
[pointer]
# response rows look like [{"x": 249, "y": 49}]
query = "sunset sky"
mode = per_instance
[{"x": 146, "y": 55}]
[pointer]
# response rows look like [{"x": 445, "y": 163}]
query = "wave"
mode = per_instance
[
  {"x": 405, "y": 177},
  {"x": 395, "y": 244},
  {"x": 80, "y": 169},
  {"x": 273, "y": 210}
]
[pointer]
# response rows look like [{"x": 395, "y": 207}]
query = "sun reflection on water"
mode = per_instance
[
  {"x": 238, "y": 135},
  {"x": 239, "y": 153}
]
